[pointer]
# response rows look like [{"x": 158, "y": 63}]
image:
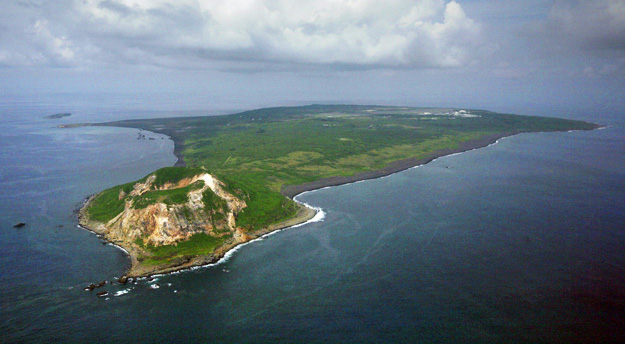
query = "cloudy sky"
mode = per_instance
[{"x": 474, "y": 53}]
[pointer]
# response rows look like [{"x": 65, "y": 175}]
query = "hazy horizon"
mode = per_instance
[{"x": 202, "y": 54}]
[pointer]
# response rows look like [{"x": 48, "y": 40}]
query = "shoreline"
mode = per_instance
[
  {"x": 291, "y": 191},
  {"x": 178, "y": 142},
  {"x": 304, "y": 215}
]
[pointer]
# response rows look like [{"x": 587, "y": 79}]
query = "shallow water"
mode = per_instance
[{"x": 518, "y": 242}]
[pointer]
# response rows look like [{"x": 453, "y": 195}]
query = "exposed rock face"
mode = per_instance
[
  {"x": 167, "y": 213},
  {"x": 165, "y": 224}
]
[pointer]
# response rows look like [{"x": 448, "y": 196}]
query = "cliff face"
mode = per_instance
[
  {"x": 173, "y": 219},
  {"x": 169, "y": 213}
]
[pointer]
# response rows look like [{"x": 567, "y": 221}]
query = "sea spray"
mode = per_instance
[
  {"x": 319, "y": 217},
  {"x": 122, "y": 292}
]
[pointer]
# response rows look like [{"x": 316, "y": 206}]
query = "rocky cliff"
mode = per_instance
[
  {"x": 165, "y": 214},
  {"x": 208, "y": 209}
]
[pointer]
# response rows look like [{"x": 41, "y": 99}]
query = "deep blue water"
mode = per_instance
[{"x": 522, "y": 241}]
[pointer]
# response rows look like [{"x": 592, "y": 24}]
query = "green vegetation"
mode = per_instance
[
  {"x": 213, "y": 203},
  {"x": 197, "y": 245},
  {"x": 108, "y": 203},
  {"x": 256, "y": 153},
  {"x": 174, "y": 175},
  {"x": 169, "y": 196}
]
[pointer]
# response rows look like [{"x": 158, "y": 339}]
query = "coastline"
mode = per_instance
[
  {"x": 304, "y": 214},
  {"x": 137, "y": 270},
  {"x": 397, "y": 166},
  {"x": 178, "y": 142}
]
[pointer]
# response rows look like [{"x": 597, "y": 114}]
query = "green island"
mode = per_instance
[
  {"x": 58, "y": 115},
  {"x": 237, "y": 174}
]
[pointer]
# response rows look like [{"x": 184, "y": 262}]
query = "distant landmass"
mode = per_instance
[
  {"x": 58, "y": 115},
  {"x": 236, "y": 175}
]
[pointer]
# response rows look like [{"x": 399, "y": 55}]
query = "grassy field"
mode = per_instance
[{"x": 257, "y": 152}]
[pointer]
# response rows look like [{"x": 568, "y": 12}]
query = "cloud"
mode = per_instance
[
  {"x": 596, "y": 25},
  {"x": 216, "y": 33},
  {"x": 57, "y": 50},
  {"x": 27, "y": 38}
]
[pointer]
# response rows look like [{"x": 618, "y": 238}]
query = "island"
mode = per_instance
[
  {"x": 237, "y": 175},
  {"x": 58, "y": 115}
]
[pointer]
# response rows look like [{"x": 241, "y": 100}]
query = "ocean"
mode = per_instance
[{"x": 522, "y": 241}]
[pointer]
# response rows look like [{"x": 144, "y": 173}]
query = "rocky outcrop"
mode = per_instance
[
  {"x": 166, "y": 224},
  {"x": 157, "y": 213},
  {"x": 151, "y": 218}
]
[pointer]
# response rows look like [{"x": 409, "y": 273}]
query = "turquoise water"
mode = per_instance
[{"x": 521, "y": 241}]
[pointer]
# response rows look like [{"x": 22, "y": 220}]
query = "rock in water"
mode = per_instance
[{"x": 94, "y": 286}]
